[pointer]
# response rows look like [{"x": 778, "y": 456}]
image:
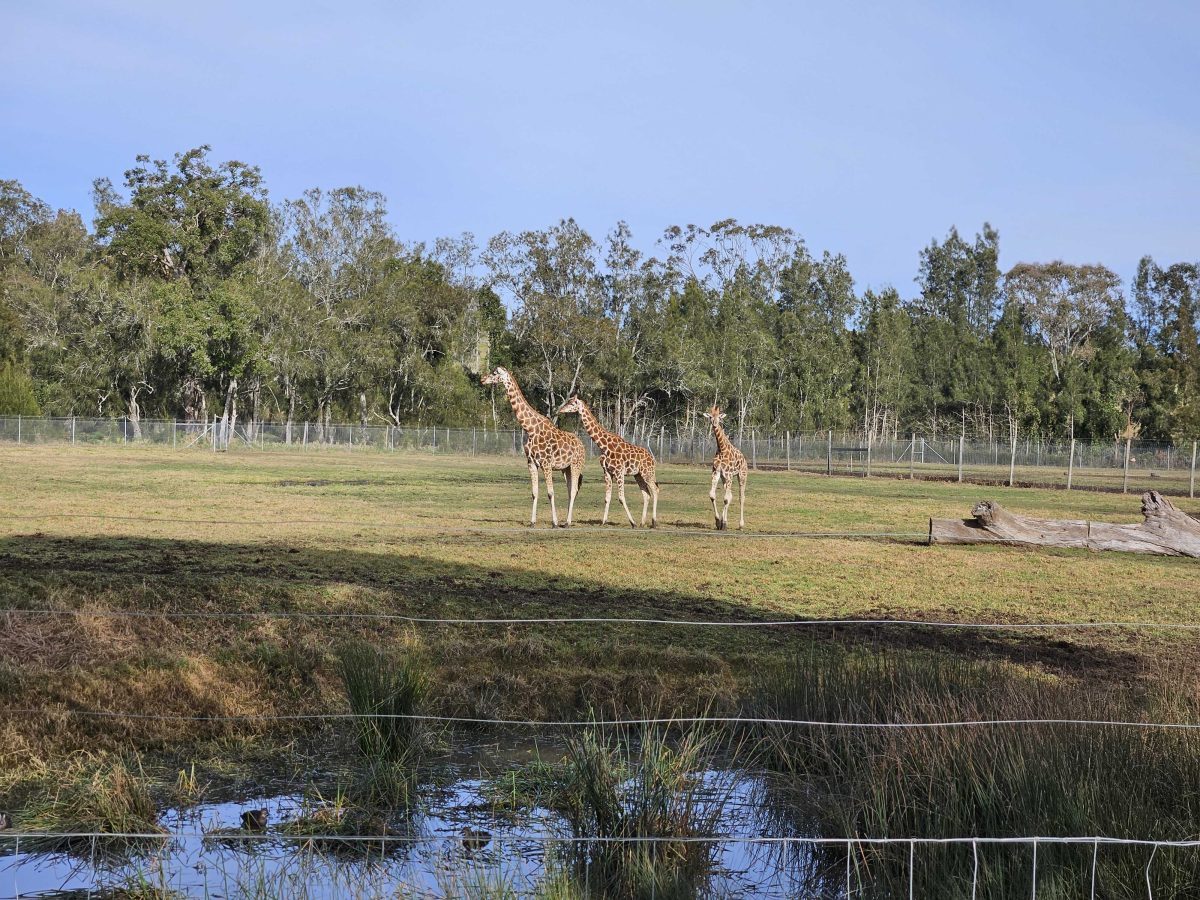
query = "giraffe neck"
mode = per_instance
[
  {"x": 723, "y": 444},
  {"x": 600, "y": 437},
  {"x": 527, "y": 416}
]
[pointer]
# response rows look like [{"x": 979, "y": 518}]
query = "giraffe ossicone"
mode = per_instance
[
  {"x": 548, "y": 449},
  {"x": 618, "y": 458}
]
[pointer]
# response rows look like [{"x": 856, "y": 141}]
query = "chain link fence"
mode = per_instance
[{"x": 1128, "y": 466}]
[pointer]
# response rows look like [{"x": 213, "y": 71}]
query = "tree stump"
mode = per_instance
[{"x": 1165, "y": 530}]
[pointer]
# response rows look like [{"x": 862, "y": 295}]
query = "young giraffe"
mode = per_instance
[
  {"x": 546, "y": 447},
  {"x": 729, "y": 463},
  {"x": 619, "y": 458}
]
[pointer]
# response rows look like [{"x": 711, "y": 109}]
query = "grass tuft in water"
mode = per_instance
[
  {"x": 385, "y": 691},
  {"x": 92, "y": 794},
  {"x": 627, "y": 784}
]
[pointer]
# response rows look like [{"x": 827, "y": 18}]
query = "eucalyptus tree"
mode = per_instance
[
  {"x": 817, "y": 364},
  {"x": 1167, "y": 311},
  {"x": 193, "y": 225},
  {"x": 553, "y": 282},
  {"x": 884, "y": 347},
  {"x": 960, "y": 292},
  {"x": 1066, "y": 306},
  {"x": 743, "y": 267},
  {"x": 337, "y": 246}
]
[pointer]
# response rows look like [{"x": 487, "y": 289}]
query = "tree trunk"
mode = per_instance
[
  {"x": 192, "y": 395},
  {"x": 1165, "y": 530},
  {"x": 228, "y": 416},
  {"x": 290, "y": 393},
  {"x": 134, "y": 412}
]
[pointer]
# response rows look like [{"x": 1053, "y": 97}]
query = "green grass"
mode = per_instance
[{"x": 148, "y": 530}]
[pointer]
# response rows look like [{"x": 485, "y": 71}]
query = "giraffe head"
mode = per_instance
[
  {"x": 499, "y": 375},
  {"x": 574, "y": 405},
  {"x": 714, "y": 415}
]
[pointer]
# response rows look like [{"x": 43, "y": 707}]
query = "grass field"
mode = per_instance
[{"x": 94, "y": 529}]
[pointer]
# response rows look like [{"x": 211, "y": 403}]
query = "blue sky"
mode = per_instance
[{"x": 869, "y": 128}]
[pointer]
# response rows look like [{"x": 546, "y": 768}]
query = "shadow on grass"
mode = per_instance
[{"x": 171, "y": 575}]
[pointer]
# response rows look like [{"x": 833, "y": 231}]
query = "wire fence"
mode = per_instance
[
  {"x": 1128, "y": 465},
  {"x": 855, "y": 879}
]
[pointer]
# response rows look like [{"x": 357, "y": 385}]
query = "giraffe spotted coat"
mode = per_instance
[
  {"x": 728, "y": 464},
  {"x": 619, "y": 458},
  {"x": 547, "y": 449}
]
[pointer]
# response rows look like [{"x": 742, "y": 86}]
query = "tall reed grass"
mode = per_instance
[
  {"x": 385, "y": 688},
  {"x": 1062, "y": 780},
  {"x": 626, "y": 784}
]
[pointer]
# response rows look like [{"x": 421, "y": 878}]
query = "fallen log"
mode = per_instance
[{"x": 1165, "y": 530}]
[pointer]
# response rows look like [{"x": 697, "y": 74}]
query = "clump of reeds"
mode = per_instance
[
  {"x": 92, "y": 795},
  {"x": 984, "y": 780},
  {"x": 622, "y": 785},
  {"x": 387, "y": 692}
]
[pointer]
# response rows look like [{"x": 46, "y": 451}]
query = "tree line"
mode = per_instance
[{"x": 191, "y": 295}]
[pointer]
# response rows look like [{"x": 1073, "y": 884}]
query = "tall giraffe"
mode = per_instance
[
  {"x": 729, "y": 463},
  {"x": 619, "y": 458},
  {"x": 546, "y": 448}
]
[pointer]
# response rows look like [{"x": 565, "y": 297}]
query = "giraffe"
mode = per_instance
[
  {"x": 546, "y": 448},
  {"x": 729, "y": 463},
  {"x": 619, "y": 458}
]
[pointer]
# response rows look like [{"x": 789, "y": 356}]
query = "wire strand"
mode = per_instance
[
  {"x": 549, "y": 838},
  {"x": 602, "y": 723},
  {"x": 589, "y": 620}
]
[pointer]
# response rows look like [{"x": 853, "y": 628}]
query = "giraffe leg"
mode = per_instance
[
  {"x": 654, "y": 502},
  {"x": 621, "y": 497},
  {"x": 578, "y": 481},
  {"x": 572, "y": 490},
  {"x": 728, "y": 500},
  {"x": 533, "y": 478},
  {"x": 645, "y": 488},
  {"x": 712, "y": 495},
  {"x": 549, "y": 473},
  {"x": 607, "y": 496},
  {"x": 742, "y": 503}
]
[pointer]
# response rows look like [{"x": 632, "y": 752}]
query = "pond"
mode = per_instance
[{"x": 454, "y": 842}]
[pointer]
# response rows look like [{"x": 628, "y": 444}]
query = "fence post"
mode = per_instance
[
  {"x": 72, "y": 431},
  {"x": 1125, "y": 477},
  {"x": 912, "y": 456},
  {"x": 788, "y": 451},
  {"x": 754, "y": 448},
  {"x": 961, "y": 441},
  {"x": 1071, "y": 465},
  {"x": 867, "y": 474},
  {"x": 1192, "y": 483},
  {"x": 829, "y": 453},
  {"x": 173, "y": 429},
  {"x": 18, "y": 431},
  {"x": 304, "y": 440},
  {"x": 125, "y": 423},
  {"x": 1012, "y": 460}
]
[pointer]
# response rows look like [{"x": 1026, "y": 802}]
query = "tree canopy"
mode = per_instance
[{"x": 193, "y": 296}]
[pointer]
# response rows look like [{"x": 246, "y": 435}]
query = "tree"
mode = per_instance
[
  {"x": 559, "y": 325},
  {"x": 955, "y": 312},
  {"x": 1167, "y": 302},
  {"x": 884, "y": 345},
  {"x": 195, "y": 226},
  {"x": 1065, "y": 306}
]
